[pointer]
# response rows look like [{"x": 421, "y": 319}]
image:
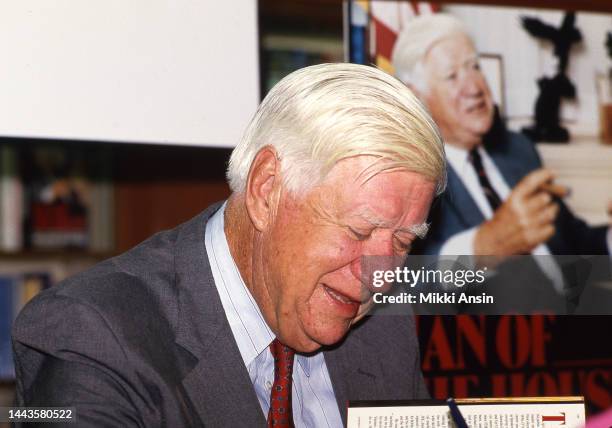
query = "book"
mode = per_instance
[
  {"x": 521, "y": 412},
  {"x": 101, "y": 203},
  {"x": 516, "y": 356},
  {"x": 69, "y": 198},
  {"x": 11, "y": 200},
  {"x": 31, "y": 284},
  {"x": 8, "y": 284},
  {"x": 57, "y": 198},
  {"x": 16, "y": 289},
  {"x": 285, "y": 53}
]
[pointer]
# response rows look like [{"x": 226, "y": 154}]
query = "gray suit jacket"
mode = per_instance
[{"x": 142, "y": 340}]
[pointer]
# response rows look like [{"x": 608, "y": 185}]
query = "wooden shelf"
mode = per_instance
[
  {"x": 55, "y": 255},
  {"x": 578, "y": 5},
  {"x": 301, "y": 15},
  {"x": 326, "y": 15}
]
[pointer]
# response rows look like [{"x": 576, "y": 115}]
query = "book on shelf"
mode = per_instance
[
  {"x": 11, "y": 200},
  {"x": 101, "y": 204},
  {"x": 7, "y": 289},
  {"x": 285, "y": 53},
  {"x": 69, "y": 198},
  {"x": 16, "y": 289},
  {"x": 57, "y": 198}
]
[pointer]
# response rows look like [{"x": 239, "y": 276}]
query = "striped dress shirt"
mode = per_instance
[{"x": 313, "y": 399}]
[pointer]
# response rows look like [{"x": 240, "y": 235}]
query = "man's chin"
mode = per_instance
[
  {"x": 481, "y": 123},
  {"x": 332, "y": 331},
  {"x": 476, "y": 133},
  {"x": 329, "y": 337}
]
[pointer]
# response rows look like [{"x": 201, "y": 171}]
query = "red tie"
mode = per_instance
[{"x": 280, "y": 414}]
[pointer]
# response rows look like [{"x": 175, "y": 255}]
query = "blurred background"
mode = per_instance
[{"x": 117, "y": 121}]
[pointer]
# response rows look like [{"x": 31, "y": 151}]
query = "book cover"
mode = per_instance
[
  {"x": 533, "y": 412},
  {"x": 57, "y": 198},
  {"x": 7, "y": 297},
  {"x": 11, "y": 200}
]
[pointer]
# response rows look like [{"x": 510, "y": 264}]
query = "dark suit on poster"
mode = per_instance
[
  {"x": 515, "y": 156},
  {"x": 520, "y": 284},
  {"x": 142, "y": 340}
]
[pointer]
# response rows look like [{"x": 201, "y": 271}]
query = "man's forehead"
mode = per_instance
[
  {"x": 353, "y": 168},
  {"x": 445, "y": 52},
  {"x": 360, "y": 169},
  {"x": 356, "y": 188}
]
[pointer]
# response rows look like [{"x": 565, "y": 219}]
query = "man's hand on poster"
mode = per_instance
[{"x": 524, "y": 220}]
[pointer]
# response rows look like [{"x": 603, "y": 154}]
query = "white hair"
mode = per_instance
[
  {"x": 319, "y": 115},
  {"x": 416, "y": 39}
]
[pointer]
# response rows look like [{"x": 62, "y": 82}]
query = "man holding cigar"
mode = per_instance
[{"x": 500, "y": 201}]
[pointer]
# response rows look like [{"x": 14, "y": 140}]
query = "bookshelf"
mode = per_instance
[{"x": 59, "y": 255}]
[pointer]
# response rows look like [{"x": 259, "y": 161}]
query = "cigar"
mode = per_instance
[{"x": 556, "y": 190}]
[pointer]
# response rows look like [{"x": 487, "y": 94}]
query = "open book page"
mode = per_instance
[{"x": 478, "y": 413}]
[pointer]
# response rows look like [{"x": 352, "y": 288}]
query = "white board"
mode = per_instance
[{"x": 153, "y": 71}]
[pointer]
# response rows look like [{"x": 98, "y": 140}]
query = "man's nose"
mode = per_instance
[
  {"x": 472, "y": 85},
  {"x": 379, "y": 244},
  {"x": 377, "y": 255}
]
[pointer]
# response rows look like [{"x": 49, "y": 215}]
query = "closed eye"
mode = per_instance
[
  {"x": 402, "y": 243},
  {"x": 359, "y": 236},
  {"x": 402, "y": 248}
]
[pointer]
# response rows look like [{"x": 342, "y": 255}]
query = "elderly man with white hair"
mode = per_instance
[
  {"x": 500, "y": 201},
  {"x": 252, "y": 313}
]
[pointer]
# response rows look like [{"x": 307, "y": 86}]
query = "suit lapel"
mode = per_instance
[
  {"x": 355, "y": 374},
  {"x": 336, "y": 366},
  {"x": 461, "y": 201},
  {"x": 218, "y": 385},
  {"x": 220, "y": 388},
  {"x": 508, "y": 165}
]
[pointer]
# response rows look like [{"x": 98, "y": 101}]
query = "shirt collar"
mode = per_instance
[
  {"x": 249, "y": 328},
  {"x": 458, "y": 157},
  {"x": 252, "y": 334}
]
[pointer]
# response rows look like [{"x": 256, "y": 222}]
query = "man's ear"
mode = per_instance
[{"x": 262, "y": 187}]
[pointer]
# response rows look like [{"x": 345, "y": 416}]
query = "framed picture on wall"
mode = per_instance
[{"x": 492, "y": 67}]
